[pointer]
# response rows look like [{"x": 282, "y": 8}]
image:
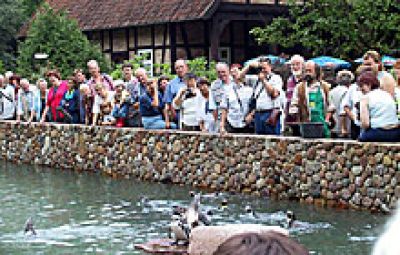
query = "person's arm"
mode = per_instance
[
  {"x": 349, "y": 113},
  {"x": 33, "y": 113},
  {"x": 166, "y": 117},
  {"x": 178, "y": 100},
  {"x": 246, "y": 69},
  {"x": 46, "y": 110},
  {"x": 224, "y": 114},
  {"x": 273, "y": 92},
  {"x": 364, "y": 113},
  {"x": 95, "y": 110}
]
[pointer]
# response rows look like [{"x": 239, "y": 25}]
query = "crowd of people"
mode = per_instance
[{"x": 363, "y": 105}]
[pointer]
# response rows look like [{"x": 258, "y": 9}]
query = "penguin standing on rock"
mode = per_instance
[{"x": 179, "y": 229}]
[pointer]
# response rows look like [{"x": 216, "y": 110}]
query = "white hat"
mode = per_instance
[{"x": 119, "y": 83}]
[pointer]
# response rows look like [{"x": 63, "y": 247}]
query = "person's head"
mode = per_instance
[
  {"x": 367, "y": 81},
  {"x": 265, "y": 65},
  {"x": 372, "y": 58},
  {"x": 71, "y": 83},
  {"x": 150, "y": 86},
  {"x": 79, "y": 76},
  {"x": 7, "y": 77},
  {"x": 190, "y": 80},
  {"x": 388, "y": 84},
  {"x": 93, "y": 67},
  {"x": 163, "y": 82},
  {"x": 181, "y": 68},
  {"x": 297, "y": 65},
  {"x": 223, "y": 71},
  {"x": 270, "y": 243},
  {"x": 14, "y": 80},
  {"x": 203, "y": 84},
  {"x": 2, "y": 84},
  {"x": 312, "y": 72},
  {"x": 235, "y": 71},
  {"x": 344, "y": 77},
  {"x": 101, "y": 90},
  {"x": 84, "y": 89},
  {"x": 119, "y": 86},
  {"x": 24, "y": 84},
  {"x": 54, "y": 77},
  {"x": 127, "y": 70},
  {"x": 141, "y": 75},
  {"x": 41, "y": 84}
]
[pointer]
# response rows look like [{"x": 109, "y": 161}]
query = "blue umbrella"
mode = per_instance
[
  {"x": 324, "y": 61},
  {"x": 274, "y": 60}
]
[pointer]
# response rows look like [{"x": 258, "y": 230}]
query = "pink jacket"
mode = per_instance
[{"x": 54, "y": 99}]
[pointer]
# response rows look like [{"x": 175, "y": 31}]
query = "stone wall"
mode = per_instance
[{"x": 330, "y": 173}]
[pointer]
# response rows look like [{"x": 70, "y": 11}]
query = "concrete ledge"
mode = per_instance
[
  {"x": 205, "y": 240},
  {"x": 342, "y": 174}
]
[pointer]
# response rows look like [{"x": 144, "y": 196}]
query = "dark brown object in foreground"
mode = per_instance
[{"x": 271, "y": 243}]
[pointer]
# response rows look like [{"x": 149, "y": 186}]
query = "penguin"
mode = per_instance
[
  {"x": 29, "y": 227},
  {"x": 194, "y": 216},
  {"x": 179, "y": 230},
  {"x": 250, "y": 211},
  {"x": 290, "y": 219},
  {"x": 192, "y": 193},
  {"x": 224, "y": 204},
  {"x": 143, "y": 201}
]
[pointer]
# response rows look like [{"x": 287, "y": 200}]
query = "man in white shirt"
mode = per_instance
[
  {"x": 207, "y": 121},
  {"x": 235, "y": 106},
  {"x": 267, "y": 106},
  {"x": 25, "y": 100},
  {"x": 189, "y": 102},
  {"x": 219, "y": 90},
  {"x": 7, "y": 104}
]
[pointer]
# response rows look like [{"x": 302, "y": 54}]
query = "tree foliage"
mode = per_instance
[
  {"x": 58, "y": 36},
  {"x": 341, "y": 28}
]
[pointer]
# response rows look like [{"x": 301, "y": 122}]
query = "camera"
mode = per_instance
[{"x": 189, "y": 94}]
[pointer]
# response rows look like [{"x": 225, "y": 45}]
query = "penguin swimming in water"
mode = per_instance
[
  {"x": 250, "y": 211},
  {"x": 224, "y": 204},
  {"x": 290, "y": 219},
  {"x": 29, "y": 227}
]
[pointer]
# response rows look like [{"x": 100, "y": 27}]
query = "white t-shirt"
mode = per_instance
[
  {"x": 99, "y": 101},
  {"x": 236, "y": 112},
  {"x": 382, "y": 109},
  {"x": 7, "y": 107},
  {"x": 264, "y": 100},
  {"x": 189, "y": 109}
]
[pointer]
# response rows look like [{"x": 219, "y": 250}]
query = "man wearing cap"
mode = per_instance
[
  {"x": 344, "y": 79},
  {"x": 189, "y": 102},
  {"x": 266, "y": 104},
  {"x": 7, "y": 98}
]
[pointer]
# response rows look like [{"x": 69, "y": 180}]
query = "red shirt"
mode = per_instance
[{"x": 54, "y": 99}]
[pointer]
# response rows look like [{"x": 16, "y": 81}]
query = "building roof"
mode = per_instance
[{"x": 109, "y": 14}]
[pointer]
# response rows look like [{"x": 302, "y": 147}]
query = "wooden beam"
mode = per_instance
[
  {"x": 102, "y": 40},
  {"x": 232, "y": 41},
  {"x": 172, "y": 40},
  {"x": 164, "y": 43},
  {"x": 206, "y": 35},
  {"x": 153, "y": 36},
  {"x": 136, "y": 39},
  {"x": 185, "y": 41},
  {"x": 111, "y": 39}
]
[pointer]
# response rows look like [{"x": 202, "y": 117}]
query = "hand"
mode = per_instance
[
  {"x": 167, "y": 125},
  {"x": 223, "y": 131},
  {"x": 249, "y": 118},
  {"x": 183, "y": 91},
  {"x": 261, "y": 76}
]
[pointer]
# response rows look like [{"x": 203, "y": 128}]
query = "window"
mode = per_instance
[
  {"x": 148, "y": 60},
  {"x": 224, "y": 54}
]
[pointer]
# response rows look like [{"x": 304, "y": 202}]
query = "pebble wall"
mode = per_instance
[{"x": 342, "y": 174}]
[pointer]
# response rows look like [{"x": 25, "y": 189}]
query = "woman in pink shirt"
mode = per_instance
[{"x": 55, "y": 95}]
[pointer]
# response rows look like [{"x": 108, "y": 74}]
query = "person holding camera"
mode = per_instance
[
  {"x": 310, "y": 102},
  {"x": 265, "y": 103},
  {"x": 189, "y": 101},
  {"x": 103, "y": 104},
  {"x": 235, "y": 106},
  {"x": 25, "y": 100},
  {"x": 7, "y": 100},
  {"x": 151, "y": 107}
]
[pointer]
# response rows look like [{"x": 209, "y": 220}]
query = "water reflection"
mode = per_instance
[{"x": 85, "y": 213}]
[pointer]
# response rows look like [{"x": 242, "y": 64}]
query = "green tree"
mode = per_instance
[
  {"x": 341, "y": 28},
  {"x": 61, "y": 39}
]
